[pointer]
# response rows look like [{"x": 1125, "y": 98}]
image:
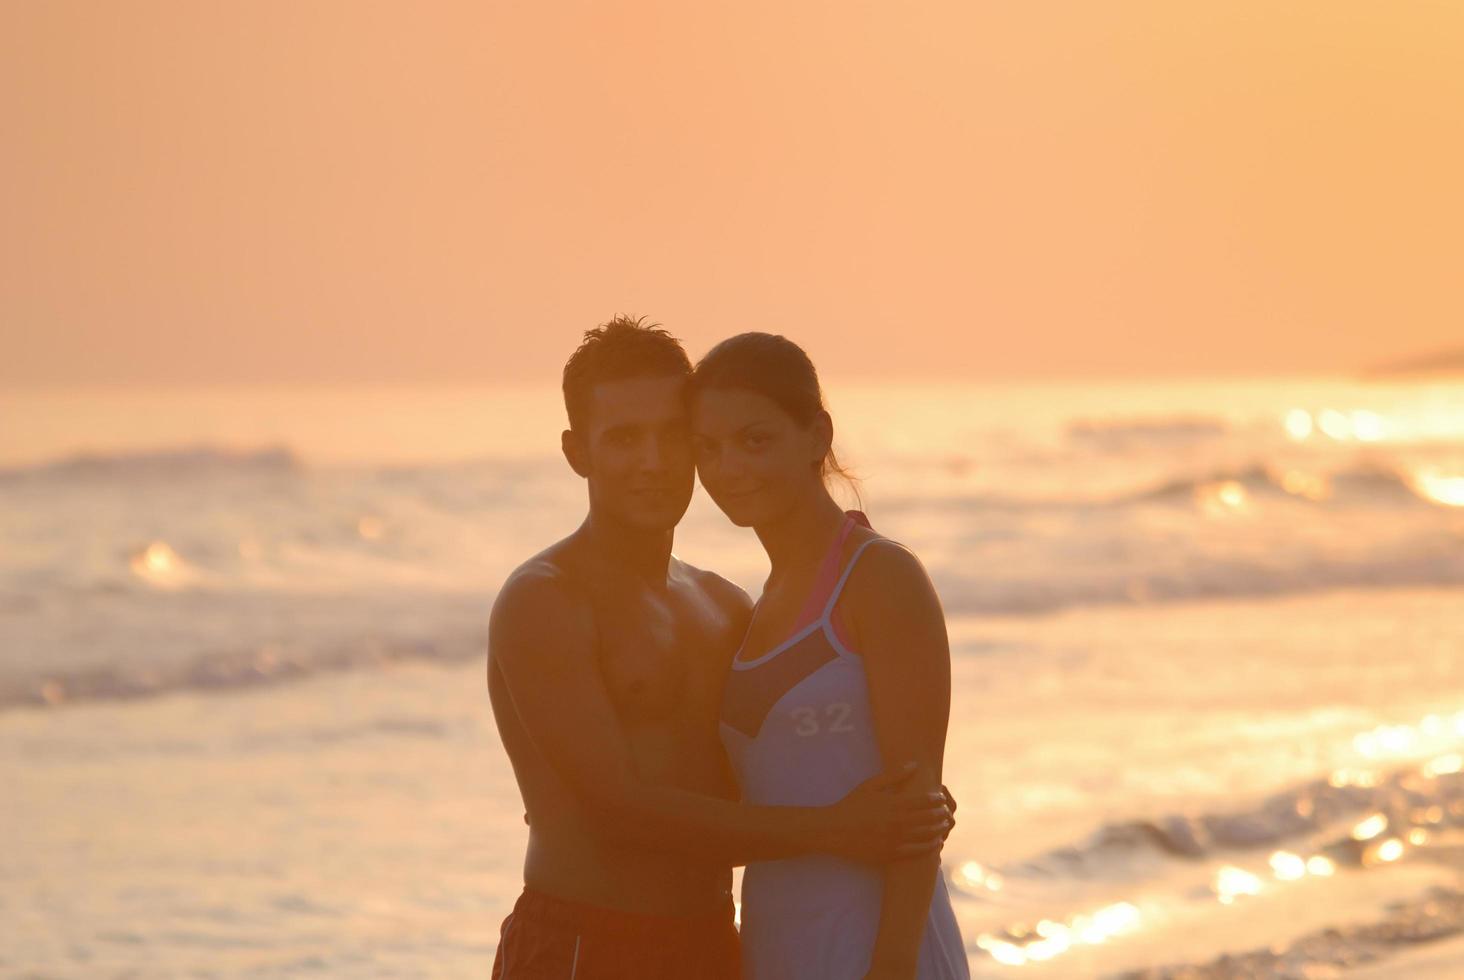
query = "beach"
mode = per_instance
[{"x": 1206, "y": 711}]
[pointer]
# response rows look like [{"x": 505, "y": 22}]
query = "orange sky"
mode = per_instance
[{"x": 281, "y": 191}]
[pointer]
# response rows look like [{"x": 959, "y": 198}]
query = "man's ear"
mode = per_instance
[
  {"x": 823, "y": 435},
  {"x": 574, "y": 451}
]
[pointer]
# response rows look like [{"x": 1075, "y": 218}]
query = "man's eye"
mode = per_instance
[{"x": 754, "y": 439}]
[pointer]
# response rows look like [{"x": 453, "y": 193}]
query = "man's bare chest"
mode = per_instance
[{"x": 662, "y": 661}]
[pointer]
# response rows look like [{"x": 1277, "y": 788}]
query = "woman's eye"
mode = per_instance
[{"x": 754, "y": 440}]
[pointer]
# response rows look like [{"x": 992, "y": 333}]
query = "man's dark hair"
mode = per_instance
[{"x": 614, "y": 351}]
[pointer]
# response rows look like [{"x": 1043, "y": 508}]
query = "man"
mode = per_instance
[{"x": 605, "y": 668}]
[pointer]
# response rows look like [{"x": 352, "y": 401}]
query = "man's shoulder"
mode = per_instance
[
  {"x": 541, "y": 594},
  {"x": 727, "y": 595},
  {"x": 559, "y": 567},
  {"x": 540, "y": 577}
]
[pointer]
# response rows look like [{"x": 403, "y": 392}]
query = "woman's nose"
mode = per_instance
[{"x": 727, "y": 464}]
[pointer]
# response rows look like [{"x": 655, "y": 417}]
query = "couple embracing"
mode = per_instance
[{"x": 663, "y": 728}]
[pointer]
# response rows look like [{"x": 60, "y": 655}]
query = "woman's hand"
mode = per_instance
[{"x": 885, "y": 819}]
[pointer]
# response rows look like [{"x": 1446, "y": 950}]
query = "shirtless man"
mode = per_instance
[{"x": 605, "y": 668}]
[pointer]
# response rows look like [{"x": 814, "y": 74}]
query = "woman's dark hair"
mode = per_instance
[{"x": 777, "y": 368}]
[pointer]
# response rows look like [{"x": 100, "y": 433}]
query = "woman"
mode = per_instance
[{"x": 845, "y": 663}]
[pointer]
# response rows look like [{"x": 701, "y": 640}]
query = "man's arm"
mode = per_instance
[{"x": 543, "y": 641}]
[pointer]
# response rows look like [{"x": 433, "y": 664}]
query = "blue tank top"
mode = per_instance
[{"x": 798, "y": 729}]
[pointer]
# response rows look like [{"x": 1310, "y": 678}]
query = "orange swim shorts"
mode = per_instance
[{"x": 549, "y": 938}]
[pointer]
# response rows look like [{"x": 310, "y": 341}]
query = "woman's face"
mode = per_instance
[{"x": 755, "y": 461}]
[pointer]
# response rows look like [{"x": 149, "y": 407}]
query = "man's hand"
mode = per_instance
[{"x": 884, "y": 819}]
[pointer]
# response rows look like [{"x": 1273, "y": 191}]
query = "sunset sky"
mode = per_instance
[{"x": 339, "y": 192}]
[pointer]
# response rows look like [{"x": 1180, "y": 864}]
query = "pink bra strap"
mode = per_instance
[{"x": 828, "y": 572}]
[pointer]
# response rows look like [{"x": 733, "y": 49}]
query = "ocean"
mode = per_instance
[{"x": 1207, "y": 721}]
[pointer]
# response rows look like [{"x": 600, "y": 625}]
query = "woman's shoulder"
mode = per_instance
[
  {"x": 880, "y": 555},
  {"x": 885, "y": 569},
  {"x": 889, "y": 601}
]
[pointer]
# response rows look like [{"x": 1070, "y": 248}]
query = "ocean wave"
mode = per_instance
[
  {"x": 1364, "y": 481},
  {"x": 1111, "y": 434},
  {"x": 174, "y": 463},
  {"x": 226, "y": 671},
  {"x": 1408, "y": 798},
  {"x": 1435, "y": 914},
  {"x": 1438, "y": 562},
  {"x": 1354, "y": 821}
]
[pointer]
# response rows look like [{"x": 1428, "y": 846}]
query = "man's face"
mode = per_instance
[{"x": 637, "y": 451}]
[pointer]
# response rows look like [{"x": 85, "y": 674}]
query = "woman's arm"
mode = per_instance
[
  {"x": 542, "y": 638},
  {"x": 899, "y": 630}
]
